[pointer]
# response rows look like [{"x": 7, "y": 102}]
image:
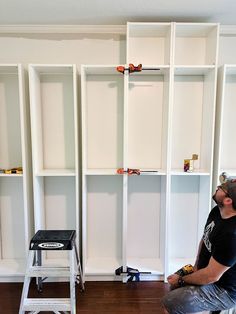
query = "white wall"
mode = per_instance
[
  {"x": 81, "y": 48},
  {"x": 227, "y": 50},
  {"x": 65, "y": 48}
]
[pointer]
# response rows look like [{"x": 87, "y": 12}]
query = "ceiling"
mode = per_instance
[{"x": 111, "y": 12}]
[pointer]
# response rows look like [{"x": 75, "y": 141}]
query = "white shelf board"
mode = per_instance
[
  {"x": 198, "y": 172},
  {"x": 12, "y": 267},
  {"x": 153, "y": 265},
  {"x": 176, "y": 263},
  {"x": 230, "y": 69},
  {"x": 105, "y": 172},
  {"x": 10, "y": 175},
  {"x": 8, "y": 69},
  {"x": 52, "y": 68},
  {"x": 56, "y": 173},
  {"x": 193, "y": 69},
  {"x": 101, "y": 69},
  {"x": 102, "y": 266}
]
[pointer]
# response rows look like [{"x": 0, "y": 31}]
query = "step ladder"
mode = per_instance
[{"x": 51, "y": 240}]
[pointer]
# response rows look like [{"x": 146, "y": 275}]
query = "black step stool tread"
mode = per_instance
[{"x": 53, "y": 240}]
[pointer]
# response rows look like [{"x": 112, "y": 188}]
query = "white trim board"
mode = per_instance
[{"x": 225, "y": 30}]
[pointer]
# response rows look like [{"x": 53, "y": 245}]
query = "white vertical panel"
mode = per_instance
[
  {"x": 183, "y": 212},
  {"x": 145, "y": 121},
  {"x": 10, "y": 128},
  {"x": 104, "y": 121},
  {"x": 187, "y": 119},
  {"x": 144, "y": 207},
  {"x": 12, "y": 218}
]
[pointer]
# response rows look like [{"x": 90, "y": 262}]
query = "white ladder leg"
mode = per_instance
[
  {"x": 72, "y": 281},
  {"x": 26, "y": 281},
  {"x": 79, "y": 270}
]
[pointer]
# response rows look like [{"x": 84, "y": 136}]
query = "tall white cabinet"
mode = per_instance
[
  {"x": 54, "y": 127},
  {"x": 16, "y": 210},
  {"x": 192, "y": 117},
  {"x": 151, "y": 120},
  {"x": 225, "y": 135}
]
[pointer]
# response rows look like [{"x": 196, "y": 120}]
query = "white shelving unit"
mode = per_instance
[
  {"x": 16, "y": 211},
  {"x": 192, "y": 122},
  {"x": 225, "y": 136},
  {"x": 196, "y": 44},
  {"x": 149, "y": 43},
  {"x": 150, "y": 120},
  {"x": 54, "y": 127},
  {"x": 102, "y": 138}
]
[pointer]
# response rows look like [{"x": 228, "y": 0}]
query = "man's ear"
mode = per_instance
[{"x": 228, "y": 201}]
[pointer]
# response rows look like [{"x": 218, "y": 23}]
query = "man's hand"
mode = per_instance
[{"x": 173, "y": 281}]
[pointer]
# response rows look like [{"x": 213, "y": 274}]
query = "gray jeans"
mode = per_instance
[{"x": 193, "y": 299}]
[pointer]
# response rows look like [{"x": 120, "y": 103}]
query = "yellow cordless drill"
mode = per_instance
[{"x": 185, "y": 270}]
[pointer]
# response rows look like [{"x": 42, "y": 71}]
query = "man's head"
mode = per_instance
[{"x": 224, "y": 191}]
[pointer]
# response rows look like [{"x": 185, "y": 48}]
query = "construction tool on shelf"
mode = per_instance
[
  {"x": 189, "y": 163},
  {"x": 132, "y": 68},
  {"x": 18, "y": 170},
  {"x": 131, "y": 171}
]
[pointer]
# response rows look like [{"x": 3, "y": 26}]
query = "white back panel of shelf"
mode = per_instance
[
  {"x": 104, "y": 121},
  {"x": 52, "y": 116},
  {"x": 147, "y": 106},
  {"x": 228, "y": 121},
  {"x": 144, "y": 216},
  {"x": 104, "y": 217},
  {"x": 10, "y": 134},
  {"x": 196, "y": 43},
  {"x": 12, "y": 218},
  {"x": 148, "y": 43},
  {"x": 193, "y": 119},
  {"x": 58, "y": 116},
  {"x": 184, "y": 209},
  {"x": 187, "y": 119}
]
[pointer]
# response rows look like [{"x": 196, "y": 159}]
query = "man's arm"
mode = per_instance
[
  {"x": 207, "y": 275},
  {"x": 199, "y": 250}
]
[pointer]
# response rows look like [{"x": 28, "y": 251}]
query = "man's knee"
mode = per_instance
[
  {"x": 165, "y": 304},
  {"x": 178, "y": 301},
  {"x": 169, "y": 302}
]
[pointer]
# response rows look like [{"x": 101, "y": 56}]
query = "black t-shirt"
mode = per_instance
[{"x": 219, "y": 241}]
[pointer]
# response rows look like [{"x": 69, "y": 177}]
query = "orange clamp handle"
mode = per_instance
[
  {"x": 121, "y": 69},
  {"x": 133, "y": 68},
  {"x": 129, "y": 171}
]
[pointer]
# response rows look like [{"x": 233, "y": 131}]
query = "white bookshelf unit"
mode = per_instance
[
  {"x": 54, "y": 127},
  {"x": 192, "y": 120},
  {"x": 16, "y": 211},
  {"x": 150, "y": 120},
  {"x": 225, "y": 135}
]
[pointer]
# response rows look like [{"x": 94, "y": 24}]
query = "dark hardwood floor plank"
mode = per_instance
[{"x": 98, "y": 298}]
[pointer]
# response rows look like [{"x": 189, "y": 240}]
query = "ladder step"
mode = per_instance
[
  {"x": 42, "y": 271},
  {"x": 46, "y": 304}
]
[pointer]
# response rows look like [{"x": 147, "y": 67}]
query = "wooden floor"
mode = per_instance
[{"x": 99, "y": 297}]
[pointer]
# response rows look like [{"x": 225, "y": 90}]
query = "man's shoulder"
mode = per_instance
[{"x": 215, "y": 211}]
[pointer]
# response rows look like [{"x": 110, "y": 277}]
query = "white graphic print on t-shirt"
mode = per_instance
[{"x": 207, "y": 231}]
